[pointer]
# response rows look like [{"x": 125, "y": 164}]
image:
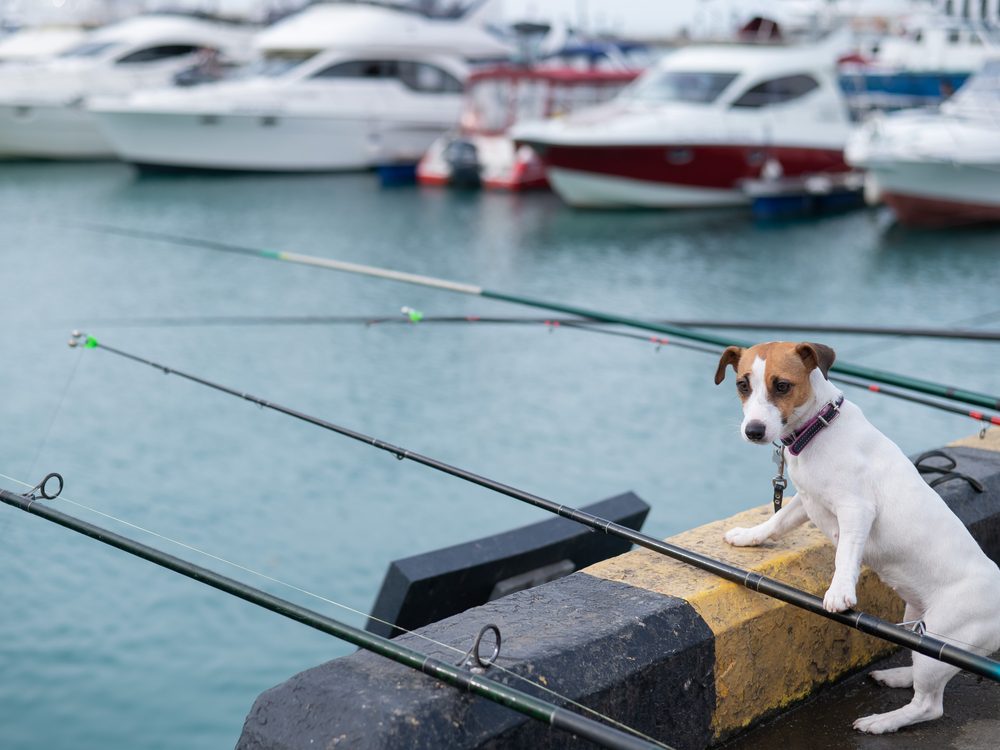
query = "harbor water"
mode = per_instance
[{"x": 99, "y": 650}]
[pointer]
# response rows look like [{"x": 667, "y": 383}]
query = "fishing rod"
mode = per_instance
[
  {"x": 370, "y": 320},
  {"x": 450, "y": 674},
  {"x": 583, "y": 324},
  {"x": 846, "y": 380},
  {"x": 866, "y": 623},
  {"x": 915, "y": 384}
]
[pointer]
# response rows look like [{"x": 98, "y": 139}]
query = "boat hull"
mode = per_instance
[
  {"x": 49, "y": 131},
  {"x": 491, "y": 161},
  {"x": 263, "y": 141},
  {"x": 671, "y": 176},
  {"x": 940, "y": 194}
]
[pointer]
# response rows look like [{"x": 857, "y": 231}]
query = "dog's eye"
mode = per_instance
[
  {"x": 743, "y": 387},
  {"x": 782, "y": 386}
]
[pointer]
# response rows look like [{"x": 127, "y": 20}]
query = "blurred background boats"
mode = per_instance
[
  {"x": 920, "y": 64},
  {"x": 44, "y": 106},
  {"x": 938, "y": 168},
  {"x": 747, "y": 101},
  {"x": 540, "y": 84},
  {"x": 337, "y": 87}
]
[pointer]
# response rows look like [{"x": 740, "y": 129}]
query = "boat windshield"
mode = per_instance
[
  {"x": 89, "y": 49},
  {"x": 679, "y": 86},
  {"x": 275, "y": 65},
  {"x": 980, "y": 94}
]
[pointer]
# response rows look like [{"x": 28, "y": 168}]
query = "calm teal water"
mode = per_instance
[{"x": 101, "y": 651}]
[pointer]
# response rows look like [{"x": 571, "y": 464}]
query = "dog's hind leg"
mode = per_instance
[
  {"x": 929, "y": 678},
  {"x": 899, "y": 677},
  {"x": 975, "y": 630}
]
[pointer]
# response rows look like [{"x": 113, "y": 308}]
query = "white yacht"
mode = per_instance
[
  {"x": 938, "y": 168},
  {"x": 339, "y": 87},
  {"x": 690, "y": 130},
  {"x": 42, "y": 106}
]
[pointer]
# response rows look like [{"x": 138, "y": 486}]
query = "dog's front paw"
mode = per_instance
[
  {"x": 740, "y": 537},
  {"x": 839, "y": 596},
  {"x": 876, "y": 724}
]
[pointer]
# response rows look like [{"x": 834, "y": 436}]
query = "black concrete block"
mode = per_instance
[
  {"x": 425, "y": 588},
  {"x": 625, "y": 652}
]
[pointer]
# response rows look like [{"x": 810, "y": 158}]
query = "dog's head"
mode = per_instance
[{"x": 776, "y": 383}]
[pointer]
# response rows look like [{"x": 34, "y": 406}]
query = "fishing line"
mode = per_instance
[
  {"x": 55, "y": 414},
  {"x": 925, "y": 386},
  {"x": 371, "y": 320},
  {"x": 901, "y": 340},
  {"x": 854, "y": 382},
  {"x": 754, "y": 581},
  {"x": 345, "y": 607},
  {"x": 583, "y": 324}
]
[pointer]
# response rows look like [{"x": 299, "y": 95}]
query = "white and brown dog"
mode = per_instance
[{"x": 863, "y": 493}]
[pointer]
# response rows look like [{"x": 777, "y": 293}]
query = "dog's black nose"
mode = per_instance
[{"x": 755, "y": 430}]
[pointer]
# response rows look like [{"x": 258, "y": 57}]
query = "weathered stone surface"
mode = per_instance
[{"x": 617, "y": 649}]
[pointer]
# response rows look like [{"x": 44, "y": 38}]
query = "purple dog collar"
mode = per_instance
[{"x": 798, "y": 440}]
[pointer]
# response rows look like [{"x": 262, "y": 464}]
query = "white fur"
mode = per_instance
[
  {"x": 758, "y": 408},
  {"x": 864, "y": 494}
]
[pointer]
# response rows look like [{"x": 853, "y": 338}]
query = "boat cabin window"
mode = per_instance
[
  {"x": 429, "y": 78},
  {"x": 89, "y": 49},
  {"x": 777, "y": 91},
  {"x": 155, "y": 54},
  {"x": 276, "y": 64},
  {"x": 417, "y": 76},
  {"x": 359, "y": 69},
  {"x": 679, "y": 86}
]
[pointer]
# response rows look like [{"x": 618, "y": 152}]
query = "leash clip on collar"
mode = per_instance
[{"x": 779, "y": 483}]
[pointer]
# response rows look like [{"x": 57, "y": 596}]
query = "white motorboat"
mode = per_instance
[
  {"x": 42, "y": 106},
  {"x": 938, "y": 168},
  {"x": 339, "y": 87},
  {"x": 691, "y": 129},
  {"x": 42, "y": 30}
]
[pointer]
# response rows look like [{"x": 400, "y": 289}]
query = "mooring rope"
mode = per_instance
[{"x": 347, "y": 608}]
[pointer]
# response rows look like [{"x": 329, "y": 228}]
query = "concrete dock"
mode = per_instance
[
  {"x": 677, "y": 653},
  {"x": 971, "y": 718}
]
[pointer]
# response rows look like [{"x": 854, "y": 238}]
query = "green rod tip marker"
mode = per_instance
[{"x": 415, "y": 316}]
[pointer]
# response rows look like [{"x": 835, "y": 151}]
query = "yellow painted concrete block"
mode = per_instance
[{"x": 768, "y": 654}]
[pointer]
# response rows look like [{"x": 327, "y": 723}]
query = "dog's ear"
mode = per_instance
[
  {"x": 729, "y": 357},
  {"x": 816, "y": 355}
]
